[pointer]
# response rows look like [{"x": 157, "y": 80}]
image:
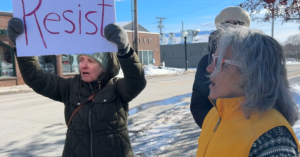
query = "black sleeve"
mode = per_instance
[
  {"x": 46, "y": 84},
  {"x": 275, "y": 142},
  {"x": 200, "y": 104},
  {"x": 134, "y": 80}
]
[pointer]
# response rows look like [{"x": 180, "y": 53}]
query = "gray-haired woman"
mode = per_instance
[
  {"x": 254, "y": 110},
  {"x": 200, "y": 104}
]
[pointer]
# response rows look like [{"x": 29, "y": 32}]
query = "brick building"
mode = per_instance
[{"x": 67, "y": 65}]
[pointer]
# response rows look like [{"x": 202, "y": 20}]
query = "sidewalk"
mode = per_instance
[{"x": 15, "y": 89}]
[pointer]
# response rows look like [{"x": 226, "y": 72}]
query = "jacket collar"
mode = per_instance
[{"x": 227, "y": 107}]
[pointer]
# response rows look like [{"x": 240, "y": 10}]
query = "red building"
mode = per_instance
[{"x": 67, "y": 65}]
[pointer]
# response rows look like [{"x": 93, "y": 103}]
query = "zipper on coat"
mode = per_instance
[
  {"x": 91, "y": 88},
  {"x": 90, "y": 122},
  {"x": 217, "y": 125},
  {"x": 220, "y": 118},
  {"x": 215, "y": 129}
]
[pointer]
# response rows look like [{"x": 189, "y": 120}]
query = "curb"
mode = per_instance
[{"x": 14, "y": 91}]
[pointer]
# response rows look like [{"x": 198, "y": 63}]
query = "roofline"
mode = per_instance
[
  {"x": 127, "y": 24},
  {"x": 2, "y": 13},
  {"x": 130, "y": 22},
  {"x": 129, "y": 31},
  {"x": 183, "y": 43},
  {"x": 143, "y": 27}
]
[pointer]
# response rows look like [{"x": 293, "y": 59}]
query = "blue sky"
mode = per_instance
[{"x": 195, "y": 14}]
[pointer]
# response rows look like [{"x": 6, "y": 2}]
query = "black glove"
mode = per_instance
[
  {"x": 14, "y": 29},
  {"x": 117, "y": 35}
]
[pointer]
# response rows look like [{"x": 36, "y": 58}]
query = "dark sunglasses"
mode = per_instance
[{"x": 234, "y": 22}]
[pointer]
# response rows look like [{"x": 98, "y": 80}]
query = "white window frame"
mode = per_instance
[{"x": 142, "y": 56}]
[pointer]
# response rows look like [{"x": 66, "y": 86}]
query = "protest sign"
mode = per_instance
[{"x": 64, "y": 26}]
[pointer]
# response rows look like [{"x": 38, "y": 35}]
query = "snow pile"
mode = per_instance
[
  {"x": 151, "y": 70},
  {"x": 292, "y": 63}
]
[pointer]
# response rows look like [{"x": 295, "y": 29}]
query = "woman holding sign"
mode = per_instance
[{"x": 96, "y": 103}]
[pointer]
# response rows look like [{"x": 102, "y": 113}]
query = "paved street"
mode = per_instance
[
  {"x": 32, "y": 125},
  {"x": 293, "y": 70}
]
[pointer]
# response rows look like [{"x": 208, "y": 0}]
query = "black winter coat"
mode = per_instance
[
  {"x": 200, "y": 104},
  {"x": 99, "y": 129}
]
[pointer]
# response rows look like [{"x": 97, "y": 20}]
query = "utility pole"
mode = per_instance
[
  {"x": 182, "y": 25},
  {"x": 273, "y": 9},
  {"x": 160, "y": 26},
  {"x": 136, "y": 28}
]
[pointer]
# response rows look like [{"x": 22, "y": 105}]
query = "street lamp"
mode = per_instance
[
  {"x": 272, "y": 10},
  {"x": 185, "y": 33}
]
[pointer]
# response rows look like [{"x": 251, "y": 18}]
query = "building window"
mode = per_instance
[
  {"x": 48, "y": 63},
  {"x": 7, "y": 62},
  {"x": 146, "y": 57},
  {"x": 70, "y": 64}
]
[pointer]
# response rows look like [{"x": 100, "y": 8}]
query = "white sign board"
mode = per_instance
[{"x": 64, "y": 26}]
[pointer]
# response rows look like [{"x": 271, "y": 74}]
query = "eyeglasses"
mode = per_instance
[
  {"x": 215, "y": 61},
  {"x": 234, "y": 22}
]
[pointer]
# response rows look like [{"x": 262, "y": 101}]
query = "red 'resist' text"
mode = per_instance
[{"x": 64, "y": 14}]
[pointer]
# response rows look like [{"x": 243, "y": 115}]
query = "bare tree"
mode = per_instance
[
  {"x": 293, "y": 39},
  {"x": 292, "y": 46},
  {"x": 282, "y": 9}
]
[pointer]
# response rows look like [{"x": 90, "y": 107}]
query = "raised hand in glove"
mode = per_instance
[
  {"x": 14, "y": 29},
  {"x": 117, "y": 35}
]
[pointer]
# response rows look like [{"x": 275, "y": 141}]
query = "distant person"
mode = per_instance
[
  {"x": 255, "y": 111},
  {"x": 200, "y": 104},
  {"x": 95, "y": 101}
]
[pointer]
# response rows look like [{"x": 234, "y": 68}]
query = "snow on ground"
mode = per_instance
[
  {"x": 151, "y": 70},
  {"x": 292, "y": 63},
  {"x": 296, "y": 95},
  {"x": 160, "y": 134},
  {"x": 176, "y": 101},
  {"x": 159, "y": 127}
]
